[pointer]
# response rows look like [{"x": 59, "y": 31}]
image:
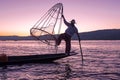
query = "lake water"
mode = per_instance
[{"x": 101, "y": 61}]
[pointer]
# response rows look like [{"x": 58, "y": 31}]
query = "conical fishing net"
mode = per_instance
[{"x": 48, "y": 25}]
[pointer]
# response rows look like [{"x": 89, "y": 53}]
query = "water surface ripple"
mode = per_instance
[{"x": 101, "y": 62}]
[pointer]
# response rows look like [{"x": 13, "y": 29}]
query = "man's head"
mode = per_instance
[{"x": 73, "y": 21}]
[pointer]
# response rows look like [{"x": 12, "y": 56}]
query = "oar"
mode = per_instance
[{"x": 80, "y": 48}]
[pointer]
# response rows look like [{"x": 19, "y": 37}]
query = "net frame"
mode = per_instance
[{"x": 51, "y": 20}]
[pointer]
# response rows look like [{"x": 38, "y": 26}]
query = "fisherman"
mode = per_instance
[{"x": 69, "y": 32}]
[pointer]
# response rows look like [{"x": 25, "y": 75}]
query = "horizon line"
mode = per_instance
[{"x": 79, "y": 32}]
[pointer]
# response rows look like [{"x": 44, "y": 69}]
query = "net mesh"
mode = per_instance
[{"x": 48, "y": 25}]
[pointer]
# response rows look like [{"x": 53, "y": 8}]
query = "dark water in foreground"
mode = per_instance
[{"x": 101, "y": 62}]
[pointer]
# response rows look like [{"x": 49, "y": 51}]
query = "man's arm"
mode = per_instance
[{"x": 66, "y": 23}]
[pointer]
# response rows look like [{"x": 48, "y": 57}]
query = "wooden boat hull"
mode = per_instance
[{"x": 44, "y": 58}]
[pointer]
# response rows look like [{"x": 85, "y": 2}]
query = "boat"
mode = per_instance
[{"x": 43, "y": 58}]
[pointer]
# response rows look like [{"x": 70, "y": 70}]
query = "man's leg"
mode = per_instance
[
  {"x": 68, "y": 45},
  {"x": 58, "y": 41}
]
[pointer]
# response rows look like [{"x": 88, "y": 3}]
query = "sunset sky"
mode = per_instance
[{"x": 18, "y": 16}]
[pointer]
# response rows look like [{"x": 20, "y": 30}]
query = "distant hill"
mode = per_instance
[
  {"x": 16, "y": 38},
  {"x": 109, "y": 34}
]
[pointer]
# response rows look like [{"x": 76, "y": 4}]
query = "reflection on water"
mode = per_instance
[
  {"x": 3, "y": 74},
  {"x": 101, "y": 62},
  {"x": 67, "y": 71},
  {"x": 56, "y": 71}
]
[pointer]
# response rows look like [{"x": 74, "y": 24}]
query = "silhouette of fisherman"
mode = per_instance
[{"x": 69, "y": 32}]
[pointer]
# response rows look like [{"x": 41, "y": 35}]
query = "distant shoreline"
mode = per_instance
[{"x": 108, "y": 34}]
